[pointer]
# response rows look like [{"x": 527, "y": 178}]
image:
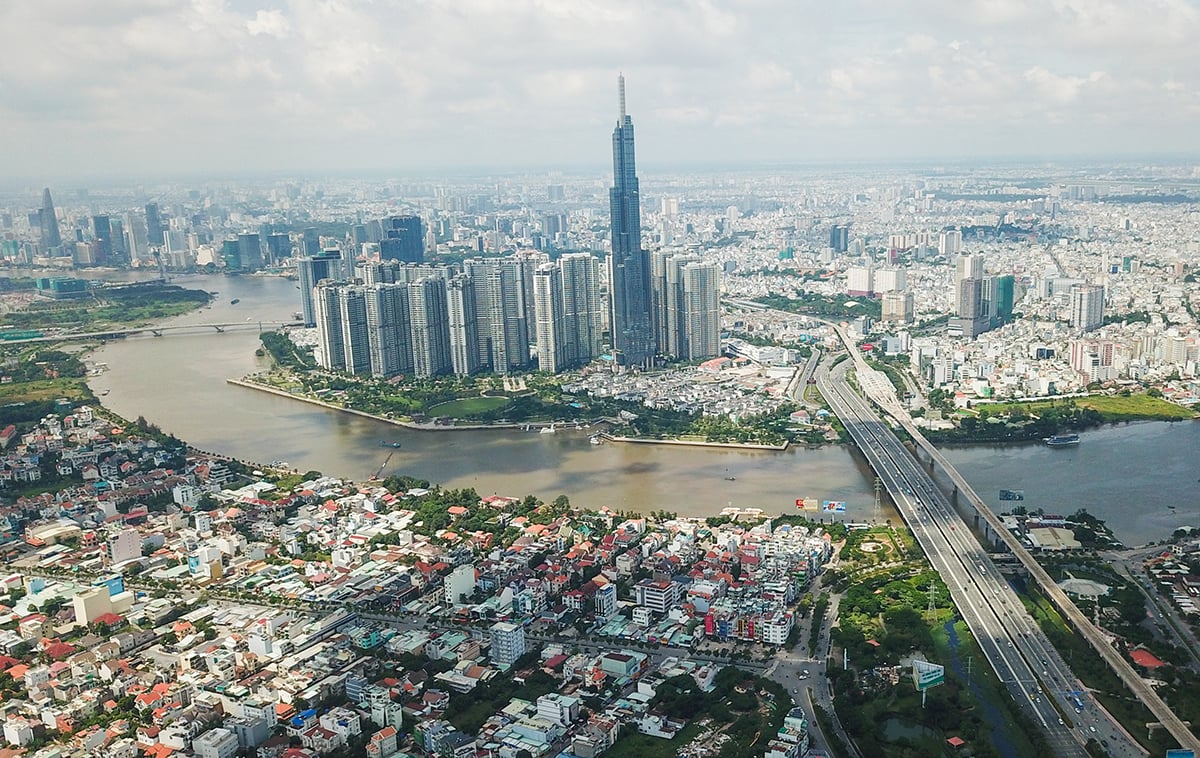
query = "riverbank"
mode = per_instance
[{"x": 435, "y": 427}]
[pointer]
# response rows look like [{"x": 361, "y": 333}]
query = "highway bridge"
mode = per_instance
[
  {"x": 157, "y": 331},
  {"x": 1020, "y": 650},
  {"x": 1021, "y": 657}
]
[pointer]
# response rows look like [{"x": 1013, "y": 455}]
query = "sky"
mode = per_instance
[{"x": 172, "y": 87}]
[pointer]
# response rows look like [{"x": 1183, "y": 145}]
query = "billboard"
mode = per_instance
[
  {"x": 1181, "y": 754},
  {"x": 808, "y": 504},
  {"x": 834, "y": 506},
  {"x": 1012, "y": 494},
  {"x": 926, "y": 675}
]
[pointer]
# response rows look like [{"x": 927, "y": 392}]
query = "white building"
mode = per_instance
[
  {"x": 125, "y": 545},
  {"x": 215, "y": 743},
  {"x": 508, "y": 643},
  {"x": 460, "y": 585}
]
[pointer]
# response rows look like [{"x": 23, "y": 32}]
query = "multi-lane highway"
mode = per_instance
[{"x": 1022, "y": 658}]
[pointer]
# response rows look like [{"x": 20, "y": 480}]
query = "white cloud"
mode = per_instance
[{"x": 262, "y": 83}]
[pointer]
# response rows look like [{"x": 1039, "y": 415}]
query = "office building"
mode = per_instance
[
  {"x": 889, "y": 280},
  {"x": 403, "y": 240},
  {"x": 312, "y": 270},
  {"x": 508, "y": 643},
  {"x": 48, "y": 221},
  {"x": 1087, "y": 307},
  {"x": 250, "y": 249},
  {"x": 279, "y": 248},
  {"x": 102, "y": 232},
  {"x": 310, "y": 241},
  {"x": 631, "y": 322},
  {"x": 839, "y": 238},
  {"x": 154, "y": 226}
]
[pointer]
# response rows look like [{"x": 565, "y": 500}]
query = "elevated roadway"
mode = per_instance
[
  {"x": 1024, "y": 662},
  {"x": 879, "y": 388}
]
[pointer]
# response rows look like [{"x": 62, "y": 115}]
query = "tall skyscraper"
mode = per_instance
[
  {"x": 582, "y": 308},
  {"x": 430, "y": 327},
  {"x": 102, "y": 231},
  {"x": 327, "y": 264},
  {"x": 550, "y": 324},
  {"x": 154, "y": 226},
  {"x": 403, "y": 240},
  {"x": 279, "y": 246},
  {"x": 464, "y": 325},
  {"x": 388, "y": 329},
  {"x": 503, "y": 328},
  {"x": 701, "y": 310},
  {"x": 250, "y": 248},
  {"x": 49, "y": 223},
  {"x": 629, "y": 266},
  {"x": 330, "y": 352}
]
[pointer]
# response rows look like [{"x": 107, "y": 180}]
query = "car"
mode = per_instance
[{"x": 1092, "y": 728}]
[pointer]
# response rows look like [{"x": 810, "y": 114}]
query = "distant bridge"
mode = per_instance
[{"x": 159, "y": 331}]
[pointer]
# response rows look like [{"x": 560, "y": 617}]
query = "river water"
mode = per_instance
[{"x": 1128, "y": 475}]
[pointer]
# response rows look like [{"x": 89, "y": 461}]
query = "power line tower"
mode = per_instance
[
  {"x": 878, "y": 489},
  {"x": 933, "y": 594}
]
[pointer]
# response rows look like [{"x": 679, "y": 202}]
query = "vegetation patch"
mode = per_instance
[{"x": 468, "y": 407}]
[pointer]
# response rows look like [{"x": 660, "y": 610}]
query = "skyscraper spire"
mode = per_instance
[
  {"x": 633, "y": 336},
  {"x": 621, "y": 93}
]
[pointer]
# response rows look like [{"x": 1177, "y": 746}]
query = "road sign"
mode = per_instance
[
  {"x": 926, "y": 675},
  {"x": 1181, "y": 754}
]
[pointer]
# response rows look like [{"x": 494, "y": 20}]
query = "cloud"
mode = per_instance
[
  {"x": 259, "y": 84},
  {"x": 271, "y": 23}
]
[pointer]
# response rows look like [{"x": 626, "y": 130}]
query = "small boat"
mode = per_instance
[
  {"x": 385, "y": 443},
  {"x": 594, "y": 439},
  {"x": 235, "y": 301},
  {"x": 548, "y": 429},
  {"x": 103, "y": 393},
  {"x": 731, "y": 478},
  {"x": 1062, "y": 440}
]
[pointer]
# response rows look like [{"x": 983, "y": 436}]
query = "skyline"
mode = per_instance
[{"x": 154, "y": 87}]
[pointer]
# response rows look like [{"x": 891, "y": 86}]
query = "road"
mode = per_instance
[
  {"x": 1021, "y": 657},
  {"x": 1092, "y": 720}
]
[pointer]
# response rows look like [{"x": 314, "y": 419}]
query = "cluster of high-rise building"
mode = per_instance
[
  {"x": 497, "y": 314},
  {"x": 503, "y": 314}
]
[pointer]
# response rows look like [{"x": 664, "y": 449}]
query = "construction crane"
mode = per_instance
[{"x": 382, "y": 466}]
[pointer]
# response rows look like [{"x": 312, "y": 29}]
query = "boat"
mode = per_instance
[
  {"x": 731, "y": 478},
  {"x": 1062, "y": 440},
  {"x": 385, "y": 443},
  {"x": 234, "y": 301},
  {"x": 548, "y": 429},
  {"x": 594, "y": 439}
]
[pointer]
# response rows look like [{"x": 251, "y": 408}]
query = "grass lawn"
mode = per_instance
[
  {"x": 44, "y": 389},
  {"x": 468, "y": 406},
  {"x": 1115, "y": 407}
]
